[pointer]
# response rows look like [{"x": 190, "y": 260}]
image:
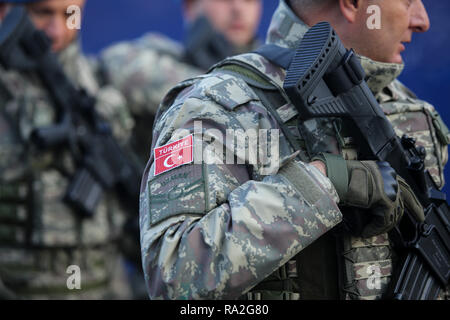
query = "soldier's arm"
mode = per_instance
[{"x": 211, "y": 231}]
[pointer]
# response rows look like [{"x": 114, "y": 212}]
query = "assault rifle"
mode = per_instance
[
  {"x": 326, "y": 80},
  {"x": 101, "y": 163}
]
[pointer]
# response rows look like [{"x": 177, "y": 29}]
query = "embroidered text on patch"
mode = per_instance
[{"x": 173, "y": 155}]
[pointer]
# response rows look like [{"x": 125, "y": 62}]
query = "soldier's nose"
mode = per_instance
[
  {"x": 56, "y": 29},
  {"x": 420, "y": 22}
]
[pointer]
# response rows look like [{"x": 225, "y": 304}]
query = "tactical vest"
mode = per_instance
[
  {"x": 40, "y": 237},
  {"x": 337, "y": 265}
]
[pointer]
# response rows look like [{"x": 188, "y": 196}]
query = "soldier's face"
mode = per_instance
[
  {"x": 399, "y": 20},
  {"x": 238, "y": 20},
  {"x": 51, "y": 16}
]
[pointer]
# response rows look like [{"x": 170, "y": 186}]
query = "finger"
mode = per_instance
[{"x": 410, "y": 200}]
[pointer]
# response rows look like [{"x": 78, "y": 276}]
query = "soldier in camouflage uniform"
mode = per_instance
[
  {"x": 146, "y": 68},
  {"x": 41, "y": 236},
  {"x": 228, "y": 231}
]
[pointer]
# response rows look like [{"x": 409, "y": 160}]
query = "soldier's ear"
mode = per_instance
[{"x": 350, "y": 9}]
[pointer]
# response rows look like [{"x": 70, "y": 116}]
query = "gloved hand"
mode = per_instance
[{"x": 374, "y": 186}]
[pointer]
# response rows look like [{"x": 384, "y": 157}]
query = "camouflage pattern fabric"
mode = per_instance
[
  {"x": 213, "y": 230},
  {"x": 420, "y": 120},
  {"x": 208, "y": 230},
  {"x": 143, "y": 70},
  {"x": 40, "y": 236},
  {"x": 368, "y": 266},
  {"x": 408, "y": 114},
  {"x": 216, "y": 239},
  {"x": 111, "y": 103}
]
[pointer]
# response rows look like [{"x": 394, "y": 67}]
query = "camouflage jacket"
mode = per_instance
[
  {"x": 223, "y": 230},
  {"x": 143, "y": 70},
  {"x": 40, "y": 236}
]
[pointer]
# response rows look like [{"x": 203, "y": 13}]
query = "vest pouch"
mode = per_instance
[{"x": 442, "y": 131}]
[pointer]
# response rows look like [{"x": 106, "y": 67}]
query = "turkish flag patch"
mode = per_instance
[{"x": 173, "y": 155}]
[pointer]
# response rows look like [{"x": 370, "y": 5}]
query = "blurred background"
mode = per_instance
[{"x": 427, "y": 58}]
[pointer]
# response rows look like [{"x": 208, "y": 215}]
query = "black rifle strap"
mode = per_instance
[{"x": 282, "y": 58}]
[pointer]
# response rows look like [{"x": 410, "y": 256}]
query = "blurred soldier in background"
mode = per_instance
[
  {"x": 220, "y": 28},
  {"x": 146, "y": 68},
  {"x": 40, "y": 235},
  {"x": 51, "y": 17}
]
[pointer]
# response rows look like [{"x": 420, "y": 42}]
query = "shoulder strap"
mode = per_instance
[
  {"x": 269, "y": 94},
  {"x": 277, "y": 55},
  {"x": 272, "y": 100}
]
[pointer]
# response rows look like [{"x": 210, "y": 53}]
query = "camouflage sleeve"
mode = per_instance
[
  {"x": 143, "y": 73},
  {"x": 212, "y": 229},
  {"x": 111, "y": 104}
]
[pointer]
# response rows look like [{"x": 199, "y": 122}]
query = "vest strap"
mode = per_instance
[{"x": 277, "y": 55}]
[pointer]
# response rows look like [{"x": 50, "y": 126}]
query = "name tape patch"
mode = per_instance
[{"x": 173, "y": 155}]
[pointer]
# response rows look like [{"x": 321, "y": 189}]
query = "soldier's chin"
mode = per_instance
[
  {"x": 397, "y": 58},
  {"x": 56, "y": 48},
  {"x": 238, "y": 39}
]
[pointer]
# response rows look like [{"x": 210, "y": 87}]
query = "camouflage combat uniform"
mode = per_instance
[
  {"x": 144, "y": 70},
  {"x": 227, "y": 231},
  {"x": 40, "y": 236}
]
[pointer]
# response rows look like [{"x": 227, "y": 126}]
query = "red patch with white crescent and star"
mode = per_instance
[{"x": 173, "y": 155}]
